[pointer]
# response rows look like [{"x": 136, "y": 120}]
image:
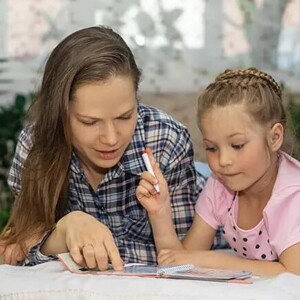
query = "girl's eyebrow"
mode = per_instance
[
  {"x": 99, "y": 119},
  {"x": 237, "y": 133},
  {"x": 230, "y": 136}
]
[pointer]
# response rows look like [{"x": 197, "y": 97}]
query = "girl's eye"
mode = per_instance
[
  {"x": 238, "y": 147},
  {"x": 211, "y": 149}
]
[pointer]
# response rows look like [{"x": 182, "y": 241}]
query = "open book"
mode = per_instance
[{"x": 188, "y": 271}]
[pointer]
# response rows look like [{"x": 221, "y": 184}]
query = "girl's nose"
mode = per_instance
[{"x": 225, "y": 158}]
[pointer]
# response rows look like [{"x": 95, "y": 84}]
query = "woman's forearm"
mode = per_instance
[{"x": 55, "y": 243}]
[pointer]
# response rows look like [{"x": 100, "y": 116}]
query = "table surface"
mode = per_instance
[{"x": 52, "y": 281}]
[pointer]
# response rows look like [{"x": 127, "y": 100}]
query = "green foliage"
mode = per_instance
[
  {"x": 11, "y": 123},
  {"x": 293, "y": 109},
  {"x": 4, "y": 216}
]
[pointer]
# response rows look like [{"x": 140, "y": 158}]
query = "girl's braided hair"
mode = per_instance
[{"x": 259, "y": 91}]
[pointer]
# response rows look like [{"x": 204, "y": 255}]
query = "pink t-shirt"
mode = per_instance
[{"x": 280, "y": 225}]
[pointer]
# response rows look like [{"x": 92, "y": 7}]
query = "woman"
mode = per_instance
[{"x": 78, "y": 161}]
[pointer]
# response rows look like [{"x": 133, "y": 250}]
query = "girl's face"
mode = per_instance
[
  {"x": 236, "y": 148},
  {"x": 103, "y": 117}
]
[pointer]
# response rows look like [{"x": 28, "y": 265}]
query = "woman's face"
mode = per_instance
[{"x": 103, "y": 117}]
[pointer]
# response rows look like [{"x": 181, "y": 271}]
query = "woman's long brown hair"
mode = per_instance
[{"x": 88, "y": 55}]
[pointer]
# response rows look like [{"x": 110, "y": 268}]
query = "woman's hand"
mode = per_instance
[
  {"x": 89, "y": 242},
  {"x": 154, "y": 202}
]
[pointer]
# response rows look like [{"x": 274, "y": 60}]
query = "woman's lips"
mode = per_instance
[{"x": 107, "y": 154}]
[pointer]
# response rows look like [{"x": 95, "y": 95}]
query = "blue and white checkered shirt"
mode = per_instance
[{"x": 114, "y": 203}]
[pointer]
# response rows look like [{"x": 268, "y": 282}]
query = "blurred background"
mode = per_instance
[{"x": 180, "y": 46}]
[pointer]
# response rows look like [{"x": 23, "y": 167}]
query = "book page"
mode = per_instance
[
  {"x": 197, "y": 273},
  {"x": 131, "y": 269},
  {"x": 188, "y": 271}
]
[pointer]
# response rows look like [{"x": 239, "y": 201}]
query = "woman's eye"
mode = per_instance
[
  {"x": 238, "y": 146},
  {"x": 124, "y": 118},
  {"x": 88, "y": 123}
]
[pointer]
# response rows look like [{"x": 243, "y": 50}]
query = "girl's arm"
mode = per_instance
[
  {"x": 200, "y": 236},
  {"x": 164, "y": 233},
  {"x": 289, "y": 261},
  {"x": 199, "y": 240},
  {"x": 158, "y": 206}
]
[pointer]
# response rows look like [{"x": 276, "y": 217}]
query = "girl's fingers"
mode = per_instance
[
  {"x": 164, "y": 260},
  {"x": 156, "y": 168},
  {"x": 147, "y": 176},
  {"x": 151, "y": 156},
  {"x": 164, "y": 257},
  {"x": 159, "y": 175},
  {"x": 148, "y": 187},
  {"x": 142, "y": 193}
]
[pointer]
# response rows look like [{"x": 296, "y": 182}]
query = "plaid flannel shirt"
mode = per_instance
[{"x": 114, "y": 203}]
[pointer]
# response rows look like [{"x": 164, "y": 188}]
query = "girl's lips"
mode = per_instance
[{"x": 230, "y": 175}]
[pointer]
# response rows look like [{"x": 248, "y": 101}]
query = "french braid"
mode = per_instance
[
  {"x": 257, "y": 90},
  {"x": 248, "y": 77}
]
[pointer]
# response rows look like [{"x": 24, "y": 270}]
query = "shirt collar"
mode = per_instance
[{"x": 132, "y": 161}]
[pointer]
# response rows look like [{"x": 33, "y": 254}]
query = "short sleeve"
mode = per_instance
[
  {"x": 282, "y": 220},
  {"x": 205, "y": 205}
]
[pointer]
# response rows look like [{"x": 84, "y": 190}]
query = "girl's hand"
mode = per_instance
[
  {"x": 154, "y": 202},
  {"x": 89, "y": 242},
  {"x": 178, "y": 257}
]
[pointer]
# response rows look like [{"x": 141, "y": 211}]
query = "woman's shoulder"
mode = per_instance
[
  {"x": 168, "y": 139},
  {"x": 153, "y": 116},
  {"x": 26, "y": 136}
]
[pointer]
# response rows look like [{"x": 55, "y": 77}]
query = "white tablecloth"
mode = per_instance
[{"x": 52, "y": 281}]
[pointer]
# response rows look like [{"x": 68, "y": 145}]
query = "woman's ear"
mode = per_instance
[{"x": 275, "y": 138}]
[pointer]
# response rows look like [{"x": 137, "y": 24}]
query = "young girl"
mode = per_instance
[{"x": 254, "y": 191}]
